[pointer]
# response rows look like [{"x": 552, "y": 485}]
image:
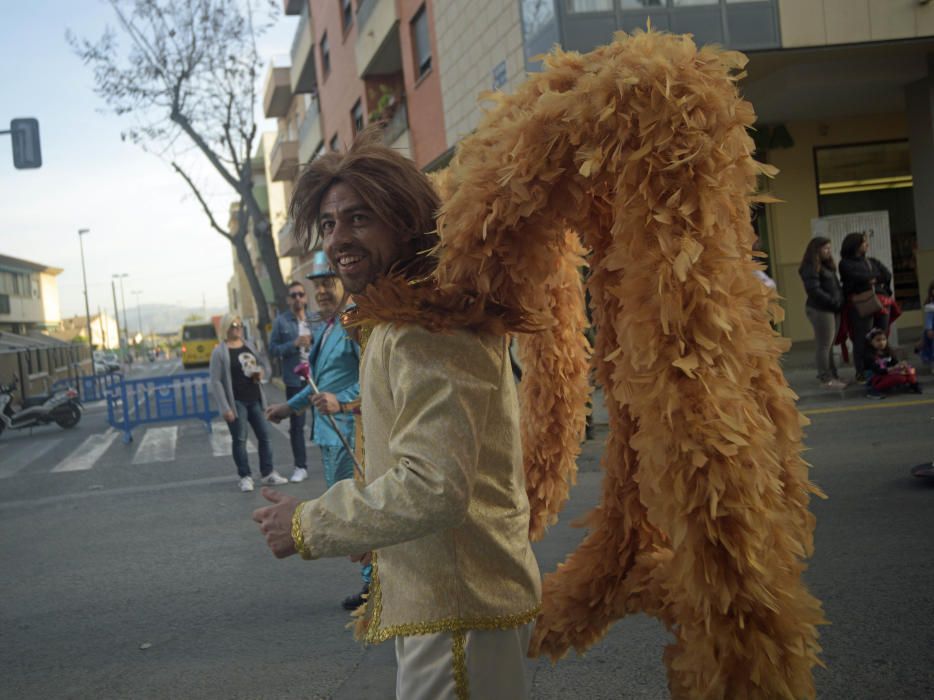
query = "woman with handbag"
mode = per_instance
[
  {"x": 824, "y": 303},
  {"x": 864, "y": 279}
]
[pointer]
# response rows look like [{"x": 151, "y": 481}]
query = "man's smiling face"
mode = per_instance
[{"x": 360, "y": 247}]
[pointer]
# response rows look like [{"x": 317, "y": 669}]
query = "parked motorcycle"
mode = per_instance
[{"x": 62, "y": 407}]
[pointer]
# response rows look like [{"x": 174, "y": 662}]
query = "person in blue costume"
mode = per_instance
[{"x": 334, "y": 361}]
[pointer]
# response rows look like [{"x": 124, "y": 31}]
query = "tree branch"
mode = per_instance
[{"x": 204, "y": 205}]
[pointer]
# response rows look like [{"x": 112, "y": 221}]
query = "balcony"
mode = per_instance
[
  {"x": 302, "y": 73},
  {"x": 277, "y": 93},
  {"x": 397, "y": 126},
  {"x": 294, "y": 7},
  {"x": 286, "y": 243},
  {"x": 378, "y": 49},
  {"x": 283, "y": 163},
  {"x": 309, "y": 136}
]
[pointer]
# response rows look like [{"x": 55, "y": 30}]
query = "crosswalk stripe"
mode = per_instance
[
  {"x": 27, "y": 453},
  {"x": 282, "y": 427},
  {"x": 157, "y": 445},
  {"x": 222, "y": 442},
  {"x": 85, "y": 455}
]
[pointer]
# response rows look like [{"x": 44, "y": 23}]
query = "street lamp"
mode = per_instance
[
  {"x": 84, "y": 275},
  {"x": 139, "y": 314},
  {"x": 123, "y": 304}
]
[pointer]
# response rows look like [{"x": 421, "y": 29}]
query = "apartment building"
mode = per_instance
[
  {"x": 105, "y": 331},
  {"x": 28, "y": 296}
]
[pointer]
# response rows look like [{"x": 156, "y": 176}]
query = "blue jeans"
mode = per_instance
[
  {"x": 296, "y": 430},
  {"x": 250, "y": 412},
  {"x": 338, "y": 464}
]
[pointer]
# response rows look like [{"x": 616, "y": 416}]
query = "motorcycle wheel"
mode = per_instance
[{"x": 67, "y": 416}]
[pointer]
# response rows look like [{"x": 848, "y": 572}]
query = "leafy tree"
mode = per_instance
[{"x": 187, "y": 79}]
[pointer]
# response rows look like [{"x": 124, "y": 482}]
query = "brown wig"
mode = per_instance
[
  {"x": 811, "y": 258},
  {"x": 391, "y": 185}
]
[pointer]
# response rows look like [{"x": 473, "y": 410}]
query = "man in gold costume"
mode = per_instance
[{"x": 443, "y": 508}]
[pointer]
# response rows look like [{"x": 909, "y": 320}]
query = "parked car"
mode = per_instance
[{"x": 107, "y": 360}]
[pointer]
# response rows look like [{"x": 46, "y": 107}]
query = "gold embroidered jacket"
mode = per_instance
[{"x": 444, "y": 506}]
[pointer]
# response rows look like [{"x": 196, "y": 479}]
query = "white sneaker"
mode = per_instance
[
  {"x": 273, "y": 478},
  {"x": 298, "y": 475},
  {"x": 246, "y": 484}
]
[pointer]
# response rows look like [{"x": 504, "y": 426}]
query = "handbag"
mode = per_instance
[{"x": 866, "y": 303}]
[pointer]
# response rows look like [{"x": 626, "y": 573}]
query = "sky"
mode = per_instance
[{"x": 143, "y": 220}]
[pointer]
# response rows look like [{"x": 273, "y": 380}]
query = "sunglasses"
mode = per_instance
[
  {"x": 235, "y": 325},
  {"x": 297, "y": 295}
]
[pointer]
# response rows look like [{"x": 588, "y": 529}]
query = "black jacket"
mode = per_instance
[
  {"x": 823, "y": 288},
  {"x": 855, "y": 274}
]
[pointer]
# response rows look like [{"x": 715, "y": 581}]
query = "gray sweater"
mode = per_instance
[{"x": 222, "y": 382}]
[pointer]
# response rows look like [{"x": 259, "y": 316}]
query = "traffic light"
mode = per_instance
[{"x": 26, "y": 151}]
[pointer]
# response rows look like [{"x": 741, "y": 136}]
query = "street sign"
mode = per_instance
[{"x": 26, "y": 151}]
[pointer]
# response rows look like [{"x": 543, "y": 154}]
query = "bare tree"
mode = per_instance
[{"x": 187, "y": 79}]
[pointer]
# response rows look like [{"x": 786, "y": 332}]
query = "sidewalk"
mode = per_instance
[{"x": 798, "y": 365}]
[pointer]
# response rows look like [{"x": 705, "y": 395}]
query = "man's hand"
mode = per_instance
[
  {"x": 275, "y": 522},
  {"x": 326, "y": 403},
  {"x": 302, "y": 341},
  {"x": 230, "y": 416},
  {"x": 277, "y": 412}
]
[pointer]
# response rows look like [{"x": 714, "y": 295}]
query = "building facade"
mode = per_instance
[
  {"x": 843, "y": 90},
  {"x": 105, "y": 331},
  {"x": 28, "y": 296}
]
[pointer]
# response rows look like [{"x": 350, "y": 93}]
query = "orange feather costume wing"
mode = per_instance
[{"x": 641, "y": 148}]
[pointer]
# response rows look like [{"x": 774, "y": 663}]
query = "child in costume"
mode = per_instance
[{"x": 887, "y": 372}]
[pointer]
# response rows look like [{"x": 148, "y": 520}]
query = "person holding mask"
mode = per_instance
[
  {"x": 237, "y": 371},
  {"x": 290, "y": 341},
  {"x": 824, "y": 303},
  {"x": 860, "y": 273}
]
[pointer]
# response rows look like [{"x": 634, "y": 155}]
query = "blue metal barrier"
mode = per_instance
[
  {"x": 135, "y": 402},
  {"x": 91, "y": 387}
]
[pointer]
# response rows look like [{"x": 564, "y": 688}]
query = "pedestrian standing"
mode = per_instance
[
  {"x": 237, "y": 372},
  {"x": 864, "y": 279},
  {"x": 290, "y": 341},
  {"x": 335, "y": 367},
  {"x": 824, "y": 304}
]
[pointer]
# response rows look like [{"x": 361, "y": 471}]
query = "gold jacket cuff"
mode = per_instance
[{"x": 298, "y": 537}]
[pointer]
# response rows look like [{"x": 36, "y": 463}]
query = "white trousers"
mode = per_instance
[{"x": 484, "y": 665}]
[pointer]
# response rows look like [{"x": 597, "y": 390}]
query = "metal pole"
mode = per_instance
[
  {"x": 139, "y": 314},
  {"x": 126, "y": 332},
  {"x": 113, "y": 288},
  {"x": 87, "y": 307}
]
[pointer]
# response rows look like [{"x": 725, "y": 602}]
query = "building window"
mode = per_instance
[
  {"x": 4, "y": 304},
  {"x": 335, "y": 144},
  {"x": 346, "y": 15},
  {"x": 325, "y": 55},
  {"x": 693, "y": 3},
  {"x": 356, "y": 117},
  {"x": 641, "y": 4},
  {"x": 421, "y": 41},
  {"x": 580, "y": 6}
]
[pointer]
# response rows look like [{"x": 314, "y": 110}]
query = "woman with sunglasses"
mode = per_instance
[{"x": 237, "y": 371}]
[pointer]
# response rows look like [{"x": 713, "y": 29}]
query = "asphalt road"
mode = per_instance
[{"x": 142, "y": 576}]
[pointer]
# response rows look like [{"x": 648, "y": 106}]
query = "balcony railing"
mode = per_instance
[
  {"x": 378, "y": 45},
  {"x": 287, "y": 245},
  {"x": 397, "y": 124},
  {"x": 278, "y": 92},
  {"x": 283, "y": 163},
  {"x": 309, "y": 136},
  {"x": 302, "y": 73}
]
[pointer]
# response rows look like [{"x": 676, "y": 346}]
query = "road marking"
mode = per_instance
[
  {"x": 26, "y": 454},
  {"x": 157, "y": 445},
  {"x": 868, "y": 407},
  {"x": 282, "y": 427},
  {"x": 222, "y": 441},
  {"x": 87, "y": 453},
  {"x": 124, "y": 490}
]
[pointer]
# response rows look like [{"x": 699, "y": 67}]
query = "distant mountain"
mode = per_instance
[{"x": 166, "y": 318}]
